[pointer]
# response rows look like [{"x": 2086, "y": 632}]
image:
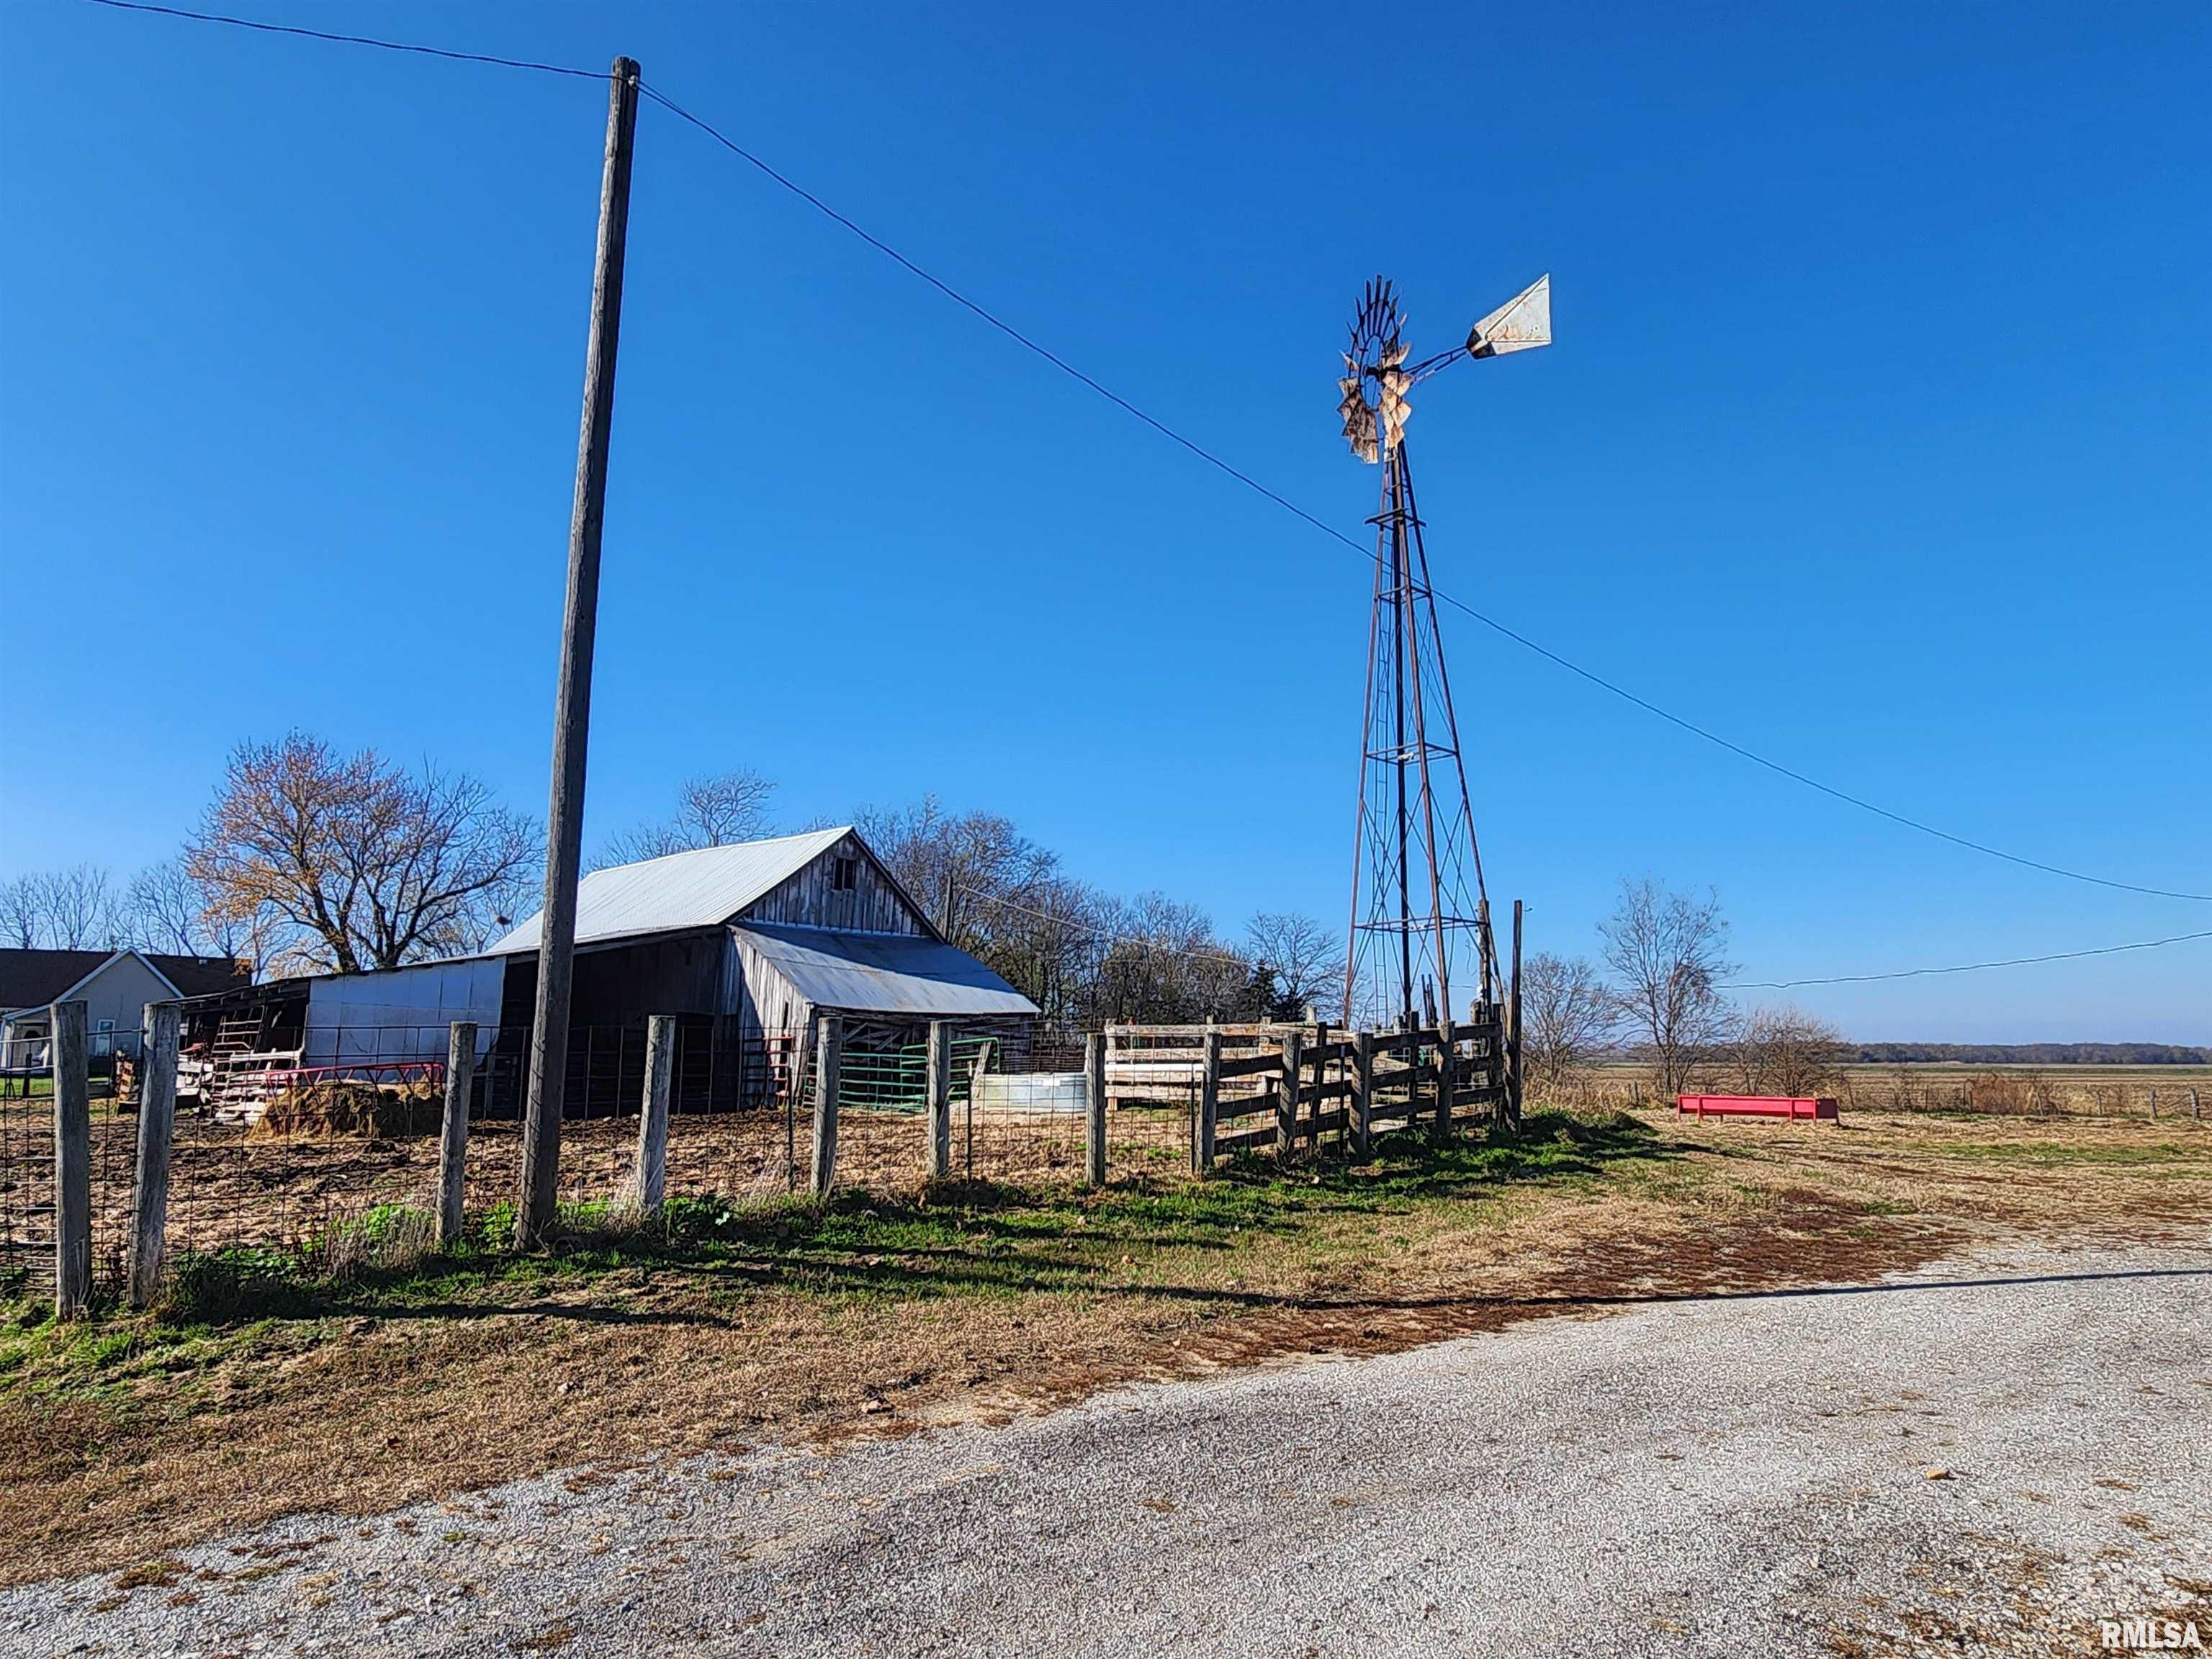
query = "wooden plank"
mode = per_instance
[
  {"x": 157, "y": 1116},
  {"x": 72, "y": 1162},
  {"x": 1245, "y": 1141},
  {"x": 453, "y": 1131},
  {"x": 1246, "y": 1106},
  {"x": 1269, "y": 1065}
]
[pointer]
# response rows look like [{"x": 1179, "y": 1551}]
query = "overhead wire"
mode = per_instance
[
  {"x": 335, "y": 38},
  {"x": 1959, "y": 967},
  {"x": 1194, "y": 448},
  {"x": 1327, "y": 529}
]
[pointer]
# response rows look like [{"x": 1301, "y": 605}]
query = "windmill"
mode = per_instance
[{"x": 1421, "y": 916}]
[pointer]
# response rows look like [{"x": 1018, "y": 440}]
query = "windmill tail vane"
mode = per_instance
[{"x": 1421, "y": 916}]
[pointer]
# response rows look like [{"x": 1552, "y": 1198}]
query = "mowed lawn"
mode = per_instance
[{"x": 263, "y": 1390}]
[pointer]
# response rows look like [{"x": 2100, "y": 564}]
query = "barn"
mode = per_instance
[{"x": 749, "y": 946}]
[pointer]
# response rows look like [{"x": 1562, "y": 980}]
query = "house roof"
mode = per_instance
[
  {"x": 681, "y": 892},
  {"x": 882, "y": 973},
  {"x": 28, "y": 978},
  {"x": 199, "y": 977}
]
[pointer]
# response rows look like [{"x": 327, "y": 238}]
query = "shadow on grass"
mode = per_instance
[{"x": 954, "y": 1238}]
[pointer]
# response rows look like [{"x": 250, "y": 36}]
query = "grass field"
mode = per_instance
[
  {"x": 267, "y": 1388},
  {"x": 1954, "y": 1086}
]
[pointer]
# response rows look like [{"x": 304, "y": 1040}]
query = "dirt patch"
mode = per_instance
[{"x": 357, "y": 1415}]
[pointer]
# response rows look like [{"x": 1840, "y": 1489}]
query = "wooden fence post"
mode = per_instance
[
  {"x": 453, "y": 1131},
  {"x": 1094, "y": 1101},
  {"x": 157, "y": 1116},
  {"x": 72, "y": 1162},
  {"x": 1446, "y": 1073},
  {"x": 1286, "y": 1103},
  {"x": 1321, "y": 1082},
  {"x": 937, "y": 1099},
  {"x": 651, "y": 1183},
  {"x": 2153, "y": 1102},
  {"x": 1209, "y": 1098},
  {"x": 1513, "y": 1062},
  {"x": 829, "y": 1057},
  {"x": 1363, "y": 1076}
]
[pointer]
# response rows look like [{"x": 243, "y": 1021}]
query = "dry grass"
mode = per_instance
[{"x": 881, "y": 1317}]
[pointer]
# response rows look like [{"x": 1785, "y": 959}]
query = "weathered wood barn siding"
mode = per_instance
[
  {"x": 765, "y": 1001},
  {"x": 809, "y": 898}
]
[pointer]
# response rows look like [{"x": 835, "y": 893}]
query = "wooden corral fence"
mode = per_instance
[{"x": 1286, "y": 1086}]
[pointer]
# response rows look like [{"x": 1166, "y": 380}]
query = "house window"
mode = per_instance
[{"x": 844, "y": 875}]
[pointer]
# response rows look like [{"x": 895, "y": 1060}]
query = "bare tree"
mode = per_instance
[
  {"x": 1566, "y": 1014},
  {"x": 1665, "y": 951},
  {"x": 1304, "y": 958},
  {"x": 1787, "y": 1051},
  {"x": 710, "y": 812},
  {"x": 966, "y": 869},
  {"x": 167, "y": 910},
  {"x": 22, "y": 912},
  {"x": 80, "y": 909},
  {"x": 364, "y": 866},
  {"x": 1164, "y": 962}
]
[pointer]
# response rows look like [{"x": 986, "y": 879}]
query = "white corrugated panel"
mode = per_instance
[
  {"x": 401, "y": 1013},
  {"x": 700, "y": 888},
  {"x": 882, "y": 973}
]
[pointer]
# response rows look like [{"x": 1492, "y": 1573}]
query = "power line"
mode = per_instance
[
  {"x": 1190, "y": 445},
  {"x": 350, "y": 39},
  {"x": 1962, "y": 968},
  {"x": 1487, "y": 621}
]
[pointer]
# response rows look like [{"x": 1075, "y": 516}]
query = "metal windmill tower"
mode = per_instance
[{"x": 1420, "y": 917}]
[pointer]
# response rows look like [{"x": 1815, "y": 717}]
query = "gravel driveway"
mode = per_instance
[{"x": 1747, "y": 1476}]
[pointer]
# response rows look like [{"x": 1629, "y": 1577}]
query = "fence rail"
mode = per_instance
[
  {"x": 1313, "y": 1083},
  {"x": 365, "y": 1139}
]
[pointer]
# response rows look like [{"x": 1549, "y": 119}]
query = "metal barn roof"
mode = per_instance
[
  {"x": 683, "y": 891},
  {"x": 882, "y": 973}
]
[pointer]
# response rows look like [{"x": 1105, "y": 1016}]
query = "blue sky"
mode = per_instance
[{"x": 1876, "y": 437}]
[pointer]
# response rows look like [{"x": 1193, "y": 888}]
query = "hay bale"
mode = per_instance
[{"x": 338, "y": 1109}]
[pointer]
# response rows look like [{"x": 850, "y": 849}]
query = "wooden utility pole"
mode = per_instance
[{"x": 564, "y": 827}]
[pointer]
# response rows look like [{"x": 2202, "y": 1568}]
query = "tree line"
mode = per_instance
[
  {"x": 1656, "y": 994},
  {"x": 312, "y": 859}
]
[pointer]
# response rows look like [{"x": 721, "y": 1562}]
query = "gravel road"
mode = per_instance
[{"x": 1746, "y": 1475}]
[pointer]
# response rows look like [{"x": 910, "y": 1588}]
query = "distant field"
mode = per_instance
[{"x": 1956, "y": 1086}]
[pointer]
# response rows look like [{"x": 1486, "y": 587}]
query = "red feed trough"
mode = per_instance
[{"x": 1792, "y": 1106}]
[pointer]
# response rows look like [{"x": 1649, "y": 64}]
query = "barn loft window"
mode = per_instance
[{"x": 844, "y": 875}]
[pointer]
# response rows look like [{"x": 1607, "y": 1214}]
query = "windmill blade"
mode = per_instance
[{"x": 1521, "y": 324}]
